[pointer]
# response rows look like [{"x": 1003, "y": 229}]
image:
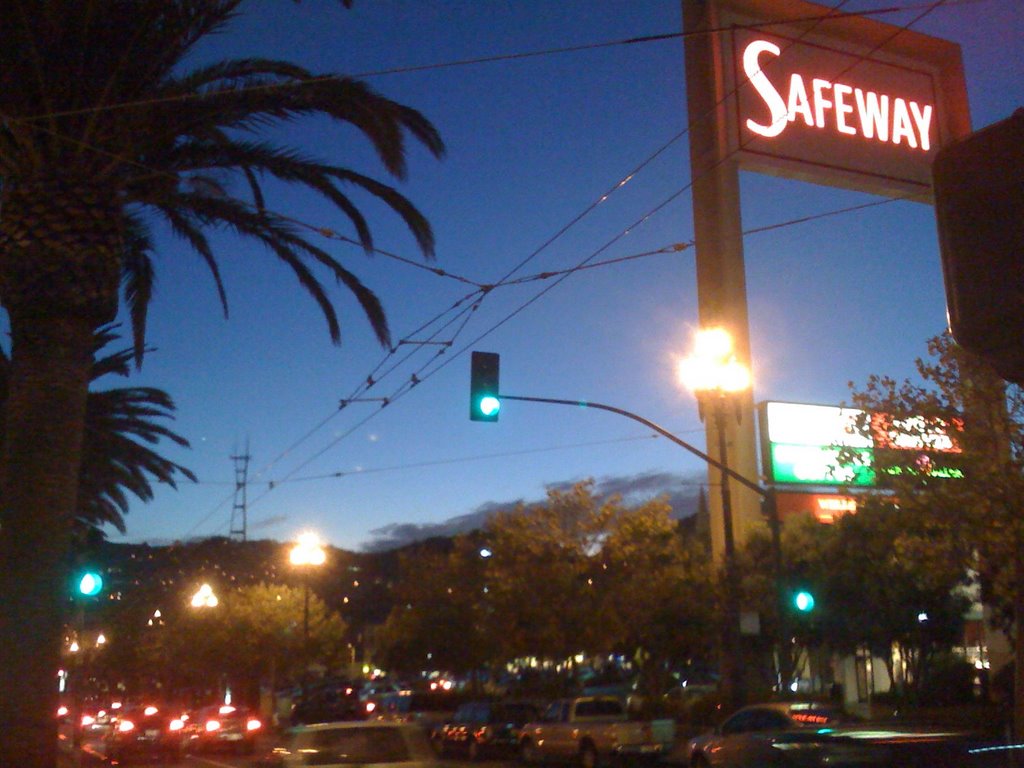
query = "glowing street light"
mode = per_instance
[
  {"x": 204, "y": 597},
  {"x": 713, "y": 370},
  {"x": 308, "y": 550}
]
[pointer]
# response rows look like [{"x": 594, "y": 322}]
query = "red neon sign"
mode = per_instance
[{"x": 844, "y": 109}]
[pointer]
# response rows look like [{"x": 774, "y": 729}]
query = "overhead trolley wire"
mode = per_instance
[{"x": 476, "y": 61}]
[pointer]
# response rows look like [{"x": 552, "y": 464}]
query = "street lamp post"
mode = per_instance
[
  {"x": 716, "y": 377},
  {"x": 308, "y": 552}
]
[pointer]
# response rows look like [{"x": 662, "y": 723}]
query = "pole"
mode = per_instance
[
  {"x": 305, "y": 631},
  {"x": 77, "y": 678},
  {"x": 718, "y": 240},
  {"x": 730, "y": 656}
]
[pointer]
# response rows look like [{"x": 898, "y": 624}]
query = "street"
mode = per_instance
[{"x": 93, "y": 758}]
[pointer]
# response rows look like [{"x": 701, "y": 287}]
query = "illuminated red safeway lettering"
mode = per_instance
[{"x": 844, "y": 108}]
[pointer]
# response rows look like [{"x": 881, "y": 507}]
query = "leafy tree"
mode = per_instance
[
  {"x": 441, "y": 616},
  {"x": 105, "y": 130},
  {"x": 541, "y": 575},
  {"x": 659, "y": 590},
  {"x": 254, "y": 634},
  {"x": 975, "y": 516},
  {"x": 803, "y": 563},
  {"x": 876, "y": 589}
]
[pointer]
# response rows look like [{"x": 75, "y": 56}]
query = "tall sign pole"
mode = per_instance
[{"x": 721, "y": 276}]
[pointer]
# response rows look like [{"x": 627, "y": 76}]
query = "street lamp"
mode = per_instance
[
  {"x": 717, "y": 378},
  {"x": 204, "y": 597},
  {"x": 308, "y": 552}
]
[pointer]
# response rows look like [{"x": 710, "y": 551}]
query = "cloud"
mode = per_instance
[{"x": 681, "y": 492}]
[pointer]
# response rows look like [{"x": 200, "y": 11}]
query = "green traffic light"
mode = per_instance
[
  {"x": 91, "y": 584},
  {"x": 804, "y": 601},
  {"x": 484, "y": 398}
]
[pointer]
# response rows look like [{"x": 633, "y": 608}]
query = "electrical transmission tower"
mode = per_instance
[{"x": 239, "y": 510}]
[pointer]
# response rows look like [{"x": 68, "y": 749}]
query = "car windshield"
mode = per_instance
[{"x": 353, "y": 745}]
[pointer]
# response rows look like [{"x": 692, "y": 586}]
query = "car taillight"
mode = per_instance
[
  {"x": 212, "y": 725},
  {"x": 484, "y": 734},
  {"x": 125, "y": 726},
  {"x": 61, "y": 711},
  {"x": 227, "y": 709},
  {"x": 150, "y": 711},
  {"x": 88, "y": 719},
  {"x": 176, "y": 725},
  {"x": 370, "y": 706},
  {"x": 253, "y": 724}
]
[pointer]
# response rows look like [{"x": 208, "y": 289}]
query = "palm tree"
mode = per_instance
[{"x": 103, "y": 130}]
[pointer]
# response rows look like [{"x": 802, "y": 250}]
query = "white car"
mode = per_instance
[
  {"x": 327, "y": 745},
  {"x": 753, "y": 736}
]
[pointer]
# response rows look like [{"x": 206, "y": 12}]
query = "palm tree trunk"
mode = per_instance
[
  {"x": 1018, "y": 650},
  {"x": 45, "y": 413}
]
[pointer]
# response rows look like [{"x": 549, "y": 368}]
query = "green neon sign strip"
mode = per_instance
[{"x": 819, "y": 465}]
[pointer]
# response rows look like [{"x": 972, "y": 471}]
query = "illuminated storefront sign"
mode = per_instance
[
  {"x": 803, "y": 444},
  {"x": 834, "y": 106},
  {"x": 825, "y": 507},
  {"x": 848, "y": 101}
]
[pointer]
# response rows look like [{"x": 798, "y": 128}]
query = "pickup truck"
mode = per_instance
[{"x": 593, "y": 731}]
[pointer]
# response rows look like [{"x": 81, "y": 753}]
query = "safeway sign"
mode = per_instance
[{"x": 837, "y": 99}]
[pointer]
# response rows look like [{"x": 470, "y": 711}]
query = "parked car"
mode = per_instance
[
  {"x": 810, "y": 735},
  {"x": 328, "y": 703},
  {"x": 380, "y": 687},
  {"x": 590, "y": 730},
  {"x": 428, "y": 709},
  {"x": 151, "y": 732},
  {"x": 484, "y": 729},
  {"x": 223, "y": 727},
  {"x": 333, "y": 745}
]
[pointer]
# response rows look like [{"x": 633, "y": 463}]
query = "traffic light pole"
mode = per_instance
[{"x": 765, "y": 493}]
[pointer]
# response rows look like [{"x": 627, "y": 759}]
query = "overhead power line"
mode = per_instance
[{"x": 476, "y": 61}]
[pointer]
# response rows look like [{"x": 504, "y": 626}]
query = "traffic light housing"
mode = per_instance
[
  {"x": 979, "y": 210},
  {"x": 484, "y": 396}
]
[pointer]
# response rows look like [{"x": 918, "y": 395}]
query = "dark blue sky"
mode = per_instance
[{"x": 533, "y": 143}]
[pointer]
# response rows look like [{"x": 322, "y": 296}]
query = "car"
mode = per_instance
[
  {"x": 223, "y": 727},
  {"x": 810, "y": 734},
  {"x": 428, "y": 709},
  {"x": 344, "y": 744},
  {"x": 145, "y": 733},
  {"x": 484, "y": 729},
  {"x": 328, "y": 703},
  {"x": 377, "y": 688}
]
